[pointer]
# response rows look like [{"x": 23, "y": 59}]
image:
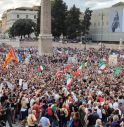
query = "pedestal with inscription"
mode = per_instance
[{"x": 45, "y": 37}]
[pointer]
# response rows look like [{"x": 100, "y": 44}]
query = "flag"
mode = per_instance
[
  {"x": 117, "y": 71},
  {"x": 41, "y": 68},
  {"x": 86, "y": 64},
  {"x": 60, "y": 52},
  {"x": 102, "y": 66},
  {"x": 78, "y": 72},
  {"x": 67, "y": 68},
  {"x": 69, "y": 81},
  {"x": 10, "y": 57},
  {"x": 20, "y": 58}
]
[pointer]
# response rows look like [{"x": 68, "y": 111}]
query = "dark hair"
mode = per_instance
[{"x": 90, "y": 110}]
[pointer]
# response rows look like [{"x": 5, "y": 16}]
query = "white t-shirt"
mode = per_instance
[
  {"x": 99, "y": 112},
  {"x": 115, "y": 105}
]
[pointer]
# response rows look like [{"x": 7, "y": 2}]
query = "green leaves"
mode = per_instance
[
  {"x": 59, "y": 13},
  {"x": 22, "y": 27},
  {"x": 85, "y": 25},
  {"x": 73, "y": 22}
]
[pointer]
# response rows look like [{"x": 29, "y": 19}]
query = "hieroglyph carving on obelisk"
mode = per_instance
[{"x": 45, "y": 37}]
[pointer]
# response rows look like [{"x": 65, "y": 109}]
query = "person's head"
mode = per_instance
[
  {"x": 89, "y": 111},
  {"x": 115, "y": 118},
  {"x": 95, "y": 110},
  {"x": 99, "y": 106},
  {"x": 33, "y": 112},
  {"x": 98, "y": 122}
]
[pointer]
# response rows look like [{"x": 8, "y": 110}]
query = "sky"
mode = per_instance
[{"x": 82, "y": 4}]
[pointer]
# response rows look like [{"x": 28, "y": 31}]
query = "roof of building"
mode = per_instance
[
  {"x": 23, "y": 8},
  {"x": 118, "y": 4},
  {"x": 34, "y": 8},
  {"x": 114, "y": 5}
]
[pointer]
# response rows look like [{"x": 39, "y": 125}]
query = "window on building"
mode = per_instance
[
  {"x": 17, "y": 16},
  {"x": 94, "y": 24},
  {"x": 26, "y": 16},
  {"x": 34, "y": 16}
]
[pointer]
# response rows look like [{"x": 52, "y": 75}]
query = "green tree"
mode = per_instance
[
  {"x": 11, "y": 32},
  {"x": 22, "y": 27},
  {"x": 73, "y": 22},
  {"x": 86, "y": 22},
  {"x": 59, "y": 12}
]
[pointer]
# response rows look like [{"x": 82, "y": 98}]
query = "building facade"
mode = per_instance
[
  {"x": 0, "y": 26},
  {"x": 12, "y": 15},
  {"x": 108, "y": 24}
]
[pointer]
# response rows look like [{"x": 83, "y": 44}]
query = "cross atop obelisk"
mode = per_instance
[{"x": 45, "y": 37}]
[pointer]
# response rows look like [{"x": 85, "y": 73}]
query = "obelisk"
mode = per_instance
[{"x": 45, "y": 37}]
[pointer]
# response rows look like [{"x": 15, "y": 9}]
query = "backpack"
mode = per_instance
[
  {"x": 76, "y": 123},
  {"x": 50, "y": 112}
]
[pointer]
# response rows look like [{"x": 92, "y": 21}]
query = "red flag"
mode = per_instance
[
  {"x": 68, "y": 67},
  {"x": 78, "y": 73}
]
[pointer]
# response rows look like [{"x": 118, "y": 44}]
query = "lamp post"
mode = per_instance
[{"x": 102, "y": 32}]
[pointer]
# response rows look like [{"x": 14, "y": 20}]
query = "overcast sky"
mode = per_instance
[{"x": 82, "y": 4}]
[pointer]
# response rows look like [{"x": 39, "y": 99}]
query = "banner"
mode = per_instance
[
  {"x": 113, "y": 60},
  {"x": 116, "y": 21},
  {"x": 72, "y": 60}
]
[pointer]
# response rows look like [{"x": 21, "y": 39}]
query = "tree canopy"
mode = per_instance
[
  {"x": 67, "y": 22},
  {"x": 22, "y": 27},
  {"x": 86, "y": 21},
  {"x": 59, "y": 12},
  {"x": 73, "y": 22}
]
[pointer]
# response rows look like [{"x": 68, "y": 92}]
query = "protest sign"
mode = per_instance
[
  {"x": 20, "y": 82},
  {"x": 113, "y": 60},
  {"x": 72, "y": 60},
  {"x": 25, "y": 86}
]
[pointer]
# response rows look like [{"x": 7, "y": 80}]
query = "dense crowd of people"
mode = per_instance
[{"x": 35, "y": 97}]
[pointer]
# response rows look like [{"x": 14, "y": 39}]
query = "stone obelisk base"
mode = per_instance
[
  {"x": 120, "y": 47},
  {"x": 45, "y": 45}
]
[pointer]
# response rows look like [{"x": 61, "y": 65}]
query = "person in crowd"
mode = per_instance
[
  {"x": 60, "y": 93},
  {"x": 98, "y": 123},
  {"x": 115, "y": 122},
  {"x": 44, "y": 121},
  {"x": 31, "y": 119}
]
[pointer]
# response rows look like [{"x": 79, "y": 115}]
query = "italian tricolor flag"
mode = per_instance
[
  {"x": 102, "y": 66},
  {"x": 81, "y": 67},
  {"x": 69, "y": 82},
  {"x": 41, "y": 68}
]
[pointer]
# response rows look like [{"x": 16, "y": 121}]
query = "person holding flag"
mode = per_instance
[{"x": 11, "y": 56}]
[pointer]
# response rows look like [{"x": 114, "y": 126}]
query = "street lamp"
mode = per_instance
[{"x": 102, "y": 16}]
